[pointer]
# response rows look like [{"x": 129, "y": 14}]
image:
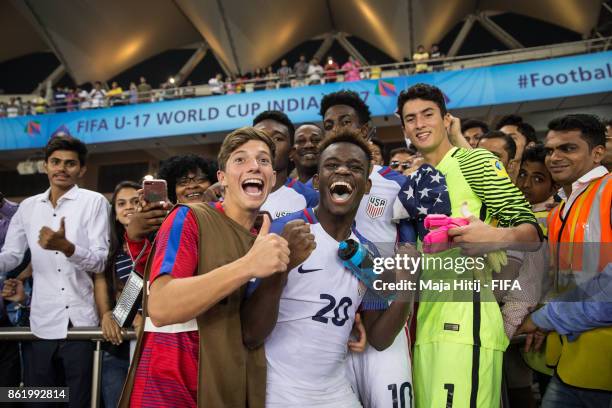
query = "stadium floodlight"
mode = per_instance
[{"x": 171, "y": 80}]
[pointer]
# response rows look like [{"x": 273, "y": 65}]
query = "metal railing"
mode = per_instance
[
  {"x": 95, "y": 334},
  {"x": 77, "y": 333},
  {"x": 273, "y": 81}
]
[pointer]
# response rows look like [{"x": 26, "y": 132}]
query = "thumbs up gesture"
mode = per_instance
[
  {"x": 55, "y": 240},
  {"x": 269, "y": 254}
]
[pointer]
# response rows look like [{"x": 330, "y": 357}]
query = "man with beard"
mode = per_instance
[
  {"x": 306, "y": 351},
  {"x": 287, "y": 196}
]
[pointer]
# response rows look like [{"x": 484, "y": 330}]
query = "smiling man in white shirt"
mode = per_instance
[{"x": 67, "y": 230}]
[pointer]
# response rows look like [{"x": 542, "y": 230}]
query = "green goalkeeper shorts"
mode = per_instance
[{"x": 457, "y": 375}]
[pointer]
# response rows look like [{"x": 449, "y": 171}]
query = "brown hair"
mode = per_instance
[
  {"x": 239, "y": 137},
  {"x": 66, "y": 142}
]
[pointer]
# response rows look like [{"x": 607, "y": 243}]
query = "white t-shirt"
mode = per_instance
[
  {"x": 307, "y": 350},
  {"x": 215, "y": 85}
]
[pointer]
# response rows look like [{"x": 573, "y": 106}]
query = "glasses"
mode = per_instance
[
  {"x": 395, "y": 164},
  {"x": 185, "y": 181}
]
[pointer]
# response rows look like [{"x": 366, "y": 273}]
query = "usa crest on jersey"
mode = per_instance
[{"x": 376, "y": 207}]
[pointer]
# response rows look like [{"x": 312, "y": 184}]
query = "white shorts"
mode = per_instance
[
  {"x": 383, "y": 379},
  {"x": 284, "y": 396}
]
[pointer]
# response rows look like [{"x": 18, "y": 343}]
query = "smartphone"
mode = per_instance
[{"x": 155, "y": 191}]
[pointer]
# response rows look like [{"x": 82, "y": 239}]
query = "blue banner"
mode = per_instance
[{"x": 554, "y": 78}]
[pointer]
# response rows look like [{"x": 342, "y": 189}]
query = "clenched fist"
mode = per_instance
[
  {"x": 269, "y": 254},
  {"x": 301, "y": 242},
  {"x": 13, "y": 291},
  {"x": 55, "y": 240}
]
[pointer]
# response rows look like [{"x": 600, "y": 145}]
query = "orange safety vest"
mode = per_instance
[{"x": 587, "y": 361}]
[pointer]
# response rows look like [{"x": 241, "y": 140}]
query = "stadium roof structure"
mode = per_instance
[{"x": 97, "y": 39}]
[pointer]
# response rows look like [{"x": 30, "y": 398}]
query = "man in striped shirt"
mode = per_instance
[{"x": 459, "y": 345}]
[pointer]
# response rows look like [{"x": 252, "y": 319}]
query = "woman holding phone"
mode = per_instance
[{"x": 107, "y": 288}]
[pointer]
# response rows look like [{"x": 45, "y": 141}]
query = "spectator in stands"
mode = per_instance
[
  {"x": 2, "y": 110},
  {"x": 97, "y": 96},
  {"x": 284, "y": 73},
  {"x": 420, "y": 58},
  {"x": 230, "y": 85},
  {"x": 522, "y": 133},
  {"x": 435, "y": 55},
  {"x": 171, "y": 90},
  {"x": 375, "y": 71},
  {"x": 189, "y": 90},
  {"x": 301, "y": 70},
  {"x": 607, "y": 160},
  {"x": 19, "y": 104},
  {"x": 26, "y": 108},
  {"x": 401, "y": 159},
  {"x": 377, "y": 148},
  {"x": 11, "y": 109},
  {"x": 133, "y": 92},
  {"x": 160, "y": 93},
  {"x": 472, "y": 129},
  {"x": 216, "y": 84},
  {"x": 72, "y": 102},
  {"x": 59, "y": 99},
  {"x": 66, "y": 228},
  {"x": 315, "y": 72},
  {"x": 40, "y": 103},
  {"x": 258, "y": 79},
  {"x": 351, "y": 70},
  {"x": 536, "y": 183},
  {"x": 305, "y": 154},
  {"x": 271, "y": 79},
  {"x": 84, "y": 101},
  {"x": 108, "y": 287},
  {"x": 331, "y": 70},
  {"x": 115, "y": 94},
  {"x": 144, "y": 90},
  {"x": 240, "y": 86},
  {"x": 501, "y": 145}
]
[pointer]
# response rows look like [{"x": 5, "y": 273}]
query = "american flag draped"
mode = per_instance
[{"x": 424, "y": 193}]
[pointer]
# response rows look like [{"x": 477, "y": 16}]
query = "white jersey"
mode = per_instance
[
  {"x": 283, "y": 201},
  {"x": 307, "y": 350},
  {"x": 383, "y": 378},
  {"x": 375, "y": 215}
]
